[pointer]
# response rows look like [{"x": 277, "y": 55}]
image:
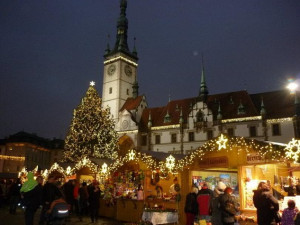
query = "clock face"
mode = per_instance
[
  {"x": 111, "y": 69},
  {"x": 128, "y": 70},
  {"x": 125, "y": 124}
]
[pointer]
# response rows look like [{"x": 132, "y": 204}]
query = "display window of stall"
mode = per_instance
[
  {"x": 213, "y": 177},
  {"x": 274, "y": 175},
  {"x": 229, "y": 178}
]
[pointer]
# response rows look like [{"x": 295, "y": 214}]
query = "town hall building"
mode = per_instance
[{"x": 184, "y": 125}]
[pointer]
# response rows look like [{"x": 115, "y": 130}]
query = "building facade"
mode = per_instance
[
  {"x": 27, "y": 150},
  {"x": 184, "y": 125}
]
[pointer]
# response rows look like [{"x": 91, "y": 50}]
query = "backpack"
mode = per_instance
[{"x": 60, "y": 210}]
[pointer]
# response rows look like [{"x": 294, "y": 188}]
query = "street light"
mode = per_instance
[{"x": 293, "y": 87}]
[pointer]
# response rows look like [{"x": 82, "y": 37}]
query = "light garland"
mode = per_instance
[
  {"x": 128, "y": 132},
  {"x": 280, "y": 120},
  {"x": 166, "y": 127},
  {"x": 122, "y": 58},
  {"x": 242, "y": 119},
  {"x": 14, "y": 158},
  {"x": 86, "y": 162}
]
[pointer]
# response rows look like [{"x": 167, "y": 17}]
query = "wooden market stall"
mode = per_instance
[
  {"x": 136, "y": 186},
  {"x": 239, "y": 163}
]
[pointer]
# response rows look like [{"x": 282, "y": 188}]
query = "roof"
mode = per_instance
[
  {"x": 161, "y": 156},
  {"x": 34, "y": 139},
  {"x": 278, "y": 104},
  {"x": 132, "y": 103}
]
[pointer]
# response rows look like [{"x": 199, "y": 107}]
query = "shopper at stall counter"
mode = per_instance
[
  {"x": 191, "y": 206},
  {"x": 266, "y": 204}
]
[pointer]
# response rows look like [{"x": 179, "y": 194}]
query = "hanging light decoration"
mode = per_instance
[{"x": 170, "y": 162}]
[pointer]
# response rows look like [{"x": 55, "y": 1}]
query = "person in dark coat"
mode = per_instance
[
  {"x": 266, "y": 204},
  {"x": 94, "y": 200},
  {"x": 50, "y": 190},
  {"x": 68, "y": 189},
  {"x": 228, "y": 206},
  {"x": 15, "y": 196},
  {"x": 191, "y": 206},
  {"x": 216, "y": 213},
  {"x": 83, "y": 200},
  {"x": 31, "y": 193}
]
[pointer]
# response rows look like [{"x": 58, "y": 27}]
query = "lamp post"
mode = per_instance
[{"x": 293, "y": 87}]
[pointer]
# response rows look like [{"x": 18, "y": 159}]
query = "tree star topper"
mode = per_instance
[
  {"x": 92, "y": 83},
  {"x": 222, "y": 142}
]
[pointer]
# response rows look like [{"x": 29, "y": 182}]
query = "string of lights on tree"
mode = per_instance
[{"x": 91, "y": 133}]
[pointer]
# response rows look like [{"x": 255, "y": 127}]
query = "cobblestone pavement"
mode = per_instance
[{"x": 18, "y": 219}]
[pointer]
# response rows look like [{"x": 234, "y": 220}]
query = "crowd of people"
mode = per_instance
[
  {"x": 219, "y": 207},
  {"x": 216, "y": 206},
  {"x": 80, "y": 199}
]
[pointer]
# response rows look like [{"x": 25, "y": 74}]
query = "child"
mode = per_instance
[{"x": 289, "y": 213}]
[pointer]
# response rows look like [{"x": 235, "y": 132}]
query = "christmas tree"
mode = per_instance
[{"x": 91, "y": 132}]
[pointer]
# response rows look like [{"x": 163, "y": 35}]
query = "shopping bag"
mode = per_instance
[{"x": 202, "y": 222}]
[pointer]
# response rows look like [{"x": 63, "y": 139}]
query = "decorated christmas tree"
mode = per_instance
[{"x": 91, "y": 132}]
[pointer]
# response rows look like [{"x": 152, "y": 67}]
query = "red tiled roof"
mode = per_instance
[
  {"x": 132, "y": 103},
  {"x": 278, "y": 104}
]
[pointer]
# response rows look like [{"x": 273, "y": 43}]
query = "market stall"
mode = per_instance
[
  {"x": 239, "y": 163},
  {"x": 137, "y": 185}
]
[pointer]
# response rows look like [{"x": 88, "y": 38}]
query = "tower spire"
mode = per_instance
[
  {"x": 122, "y": 27},
  {"x": 203, "y": 88}
]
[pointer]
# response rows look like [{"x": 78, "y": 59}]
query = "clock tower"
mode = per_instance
[{"x": 120, "y": 69}]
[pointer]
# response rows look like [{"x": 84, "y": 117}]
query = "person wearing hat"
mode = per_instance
[
  {"x": 216, "y": 213},
  {"x": 228, "y": 205},
  {"x": 31, "y": 195}
]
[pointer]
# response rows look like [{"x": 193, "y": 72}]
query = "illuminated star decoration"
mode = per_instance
[
  {"x": 92, "y": 83},
  {"x": 170, "y": 162},
  {"x": 222, "y": 142},
  {"x": 293, "y": 149},
  {"x": 131, "y": 155}
]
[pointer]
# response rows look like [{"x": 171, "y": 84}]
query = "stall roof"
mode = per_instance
[{"x": 161, "y": 156}]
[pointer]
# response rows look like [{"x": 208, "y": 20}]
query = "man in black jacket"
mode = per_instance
[
  {"x": 191, "y": 206},
  {"x": 50, "y": 190},
  {"x": 267, "y": 206}
]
